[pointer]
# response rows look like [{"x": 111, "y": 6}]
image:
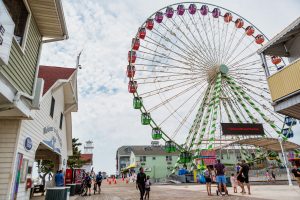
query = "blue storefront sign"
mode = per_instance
[{"x": 28, "y": 144}]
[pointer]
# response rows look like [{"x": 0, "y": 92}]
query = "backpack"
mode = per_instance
[{"x": 98, "y": 178}]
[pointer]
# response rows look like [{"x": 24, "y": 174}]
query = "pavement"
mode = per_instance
[{"x": 123, "y": 191}]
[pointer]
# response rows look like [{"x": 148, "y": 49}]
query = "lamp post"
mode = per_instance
[{"x": 285, "y": 162}]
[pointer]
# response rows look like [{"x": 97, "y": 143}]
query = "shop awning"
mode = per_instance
[
  {"x": 131, "y": 166},
  {"x": 268, "y": 143}
]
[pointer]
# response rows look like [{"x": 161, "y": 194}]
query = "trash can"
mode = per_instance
[
  {"x": 228, "y": 183},
  {"x": 67, "y": 193},
  {"x": 72, "y": 189},
  {"x": 56, "y": 193},
  {"x": 77, "y": 188}
]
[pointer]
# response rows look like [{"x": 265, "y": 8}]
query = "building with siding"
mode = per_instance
[
  {"x": 284, "y": 84},
  {"x": 28, "y": 131},
  {"x": 157, "y": 163}
]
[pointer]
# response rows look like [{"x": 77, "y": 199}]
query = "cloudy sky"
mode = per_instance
[{"x": 103, "y": 29}]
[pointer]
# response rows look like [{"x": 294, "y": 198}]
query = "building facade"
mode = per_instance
[
  {"x": 284, "y": 84},
  {"x": 87, "y": 156},
  {"x": 28, "y": 131},
  {"x": 157, "y": 163}
]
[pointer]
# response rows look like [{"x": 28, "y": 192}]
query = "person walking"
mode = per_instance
[
  {"x": 208, "y": 180},
  {"x": 244, "y": 171},
  {"x": 234, "y": 183},
  {"x": 59, "y": 179},
  {"x": 273, "y": 176},
  {"x": 88, "y": 180},
  {"x": 140, "y": 182},
  {"x": 147, "y": 188},
  {"x": 99, "y": 179},
  {"x": 219, "y": 169},
  {"x": 296, "y": 173}
]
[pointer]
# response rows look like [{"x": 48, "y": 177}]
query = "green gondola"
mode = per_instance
[
  {"x": 185, "y": 157},
  {"x": 170, "y": 147},
  {"x": 137, "y": 102},
  {"x": 156, "y": 133},
  {"x": 145, "y": 118}
]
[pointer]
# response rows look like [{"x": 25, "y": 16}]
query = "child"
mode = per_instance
[
  {"x": 208, "y": 177},
  {"x": 147, "y": 187},
  {"x": 233, "y": 181}
]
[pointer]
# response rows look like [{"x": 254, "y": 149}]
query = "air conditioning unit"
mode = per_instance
[{"x": 7, "y": 27}]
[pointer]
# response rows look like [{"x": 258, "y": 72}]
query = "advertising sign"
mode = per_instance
[
  {"x": 69, "y": 176},
  {"x": 7, "y": 28},
  {"x": 208, "y": 156},
  {"x": 242, "y": 129}
]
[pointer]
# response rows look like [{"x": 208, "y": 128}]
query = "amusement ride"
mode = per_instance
[{"x": 192, "y": 67}]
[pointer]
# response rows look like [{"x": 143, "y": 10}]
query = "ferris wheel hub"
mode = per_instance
[{"x": 212, "y": 73}]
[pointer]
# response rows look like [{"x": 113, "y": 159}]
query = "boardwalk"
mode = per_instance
[{"x": 122, "y": 191}]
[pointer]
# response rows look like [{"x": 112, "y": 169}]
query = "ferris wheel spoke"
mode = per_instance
[
  {"x": 228, "y": 46},
  {"x": 199, "y": 47},
  {"x": 239, "y": 53},
  {"x": 180, "y": 106},
  {"x": 246, "y": 65},
  {"x": 164, "y": 72},
  {"x": 244, "y": 58},
  {"x": 227, "y": 59},
  {"x": 175, "y": 96},
  {"x": 212, "y": 28},
  {"x": 161, "y": 81},
  {"x": 167, "y": 76},
  {"x": 168, "y": 87},
  {"x": 265, "y": 90}
]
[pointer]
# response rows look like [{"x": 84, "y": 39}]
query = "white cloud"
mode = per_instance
[{"x": 104, "y": 29}]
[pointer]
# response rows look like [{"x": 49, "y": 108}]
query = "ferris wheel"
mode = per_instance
[{"x": 193, "y": 66}]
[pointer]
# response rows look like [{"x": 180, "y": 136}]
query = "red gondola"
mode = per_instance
[
  {"x": 135, "y": 44},
  {"x": 131, "y": 56},
  {"x": 142, "y": 33},
  {"x": 149, "y": 24},
  {"x": 239, "y": 23},
  {"x": 259, "y": 39},
  {"x": 130, "y": 71},
  {"x": 228, "y": 17},
  {"x": 276, "y": 60},
  {"x": 250, "y": 30},
  {"x": 132, "y": 86}
]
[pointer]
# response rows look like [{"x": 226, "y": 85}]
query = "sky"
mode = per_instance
[{"x": 103, "y": 31}]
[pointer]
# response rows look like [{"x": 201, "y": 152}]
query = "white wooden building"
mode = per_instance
[{"x": 47, "y": 135}]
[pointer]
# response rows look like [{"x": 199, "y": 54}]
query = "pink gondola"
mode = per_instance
[
  {"x": 216, "y": 12},
  {"x": 149, "y": 24},
  {"x": 169, "y": 12},
  {"x": 239, "y": 23},
  {"x": 259, "y": 39},
  {"x": 204, "y": 10},
  {"x": 180, "y": 9},
  {"x": 249, "y": 30},
  {"x": 131, "y": 56},
  {"x": 130, "y": 71},
  {"x": 159, "y": 16},
  {"x": 192, "y": 9},
  {"x": 228, "y": 17}
]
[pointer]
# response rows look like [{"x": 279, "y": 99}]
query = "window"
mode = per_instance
[
  {"x": 19, "y": 14},
  {"x": 153, "y": 158},
  {"x": 61, "y": 120},
  {"x": 143, "y": 158},
  {"x": 52, "y": 107},
  {"x": 168, "y": 158}
]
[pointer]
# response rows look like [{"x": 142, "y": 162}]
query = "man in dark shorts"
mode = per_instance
[
  {"x": 296, "y": 173},
  {"x": 244, "y": 171},
  {"x": 140, "y": 182},
  {"x": 88, "y": 180},
  {"x": 98, "y": 182},
  {"x": 220, "y": 176}
]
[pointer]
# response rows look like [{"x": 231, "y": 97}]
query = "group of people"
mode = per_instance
[
  {"x": 89, "y": 180},
  {"x": 240, "y": 179},
  {"x": 143, "y": 184}
]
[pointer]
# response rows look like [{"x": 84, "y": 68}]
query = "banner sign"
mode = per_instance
[
  {"x": 208, "y": 156},
  {"x": 242, "y": 129}
]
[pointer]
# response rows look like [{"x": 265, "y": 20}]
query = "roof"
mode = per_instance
[
  {"x": 268, "y": 143},
  {"x": 52, "y": 74},
  {"x": 276, "y": 45},
  {"x": 88, "y": 157},
  {"x": 49, "y": 16},
  {"x": 144, "y": 150}
]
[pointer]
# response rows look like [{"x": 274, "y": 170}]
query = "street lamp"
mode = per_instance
[{"x": 285, "y": 163}]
